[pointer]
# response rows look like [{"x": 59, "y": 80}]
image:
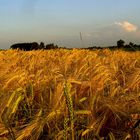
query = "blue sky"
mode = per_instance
[{"x": 101, "y": 22}]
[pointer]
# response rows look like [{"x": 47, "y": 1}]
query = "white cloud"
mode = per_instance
[{"x": 127, "y": 26}]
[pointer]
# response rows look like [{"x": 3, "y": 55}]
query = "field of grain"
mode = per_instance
[{"x": 69, "y": 94}]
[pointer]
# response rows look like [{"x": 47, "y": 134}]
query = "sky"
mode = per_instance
[{"x": 101, "y": 22}]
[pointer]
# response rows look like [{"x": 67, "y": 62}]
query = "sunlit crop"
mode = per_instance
[{"x": 69, "y": 94}]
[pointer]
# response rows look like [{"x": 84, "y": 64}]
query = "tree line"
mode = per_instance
[
  {"x": 120, "y": 45},
  {"x": 35, "y": 46},
  {"x": 129, "y": 47}
]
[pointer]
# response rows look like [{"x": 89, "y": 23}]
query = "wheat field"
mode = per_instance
[{"x": 69, "y": 94}]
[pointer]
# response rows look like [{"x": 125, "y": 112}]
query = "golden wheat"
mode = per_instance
[{"x": 99, "y": 99}]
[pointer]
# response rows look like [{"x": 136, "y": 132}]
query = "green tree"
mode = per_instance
[
  {"x": 120, "y": 43},
  {"x": 131, "y": 44},
  {"x": 41, "y": 46}
]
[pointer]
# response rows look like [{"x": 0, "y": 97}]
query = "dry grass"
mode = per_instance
[{"x": 69, "y": 94}]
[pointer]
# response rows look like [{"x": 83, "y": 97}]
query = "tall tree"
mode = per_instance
[{"x": 120, "y": 43}]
